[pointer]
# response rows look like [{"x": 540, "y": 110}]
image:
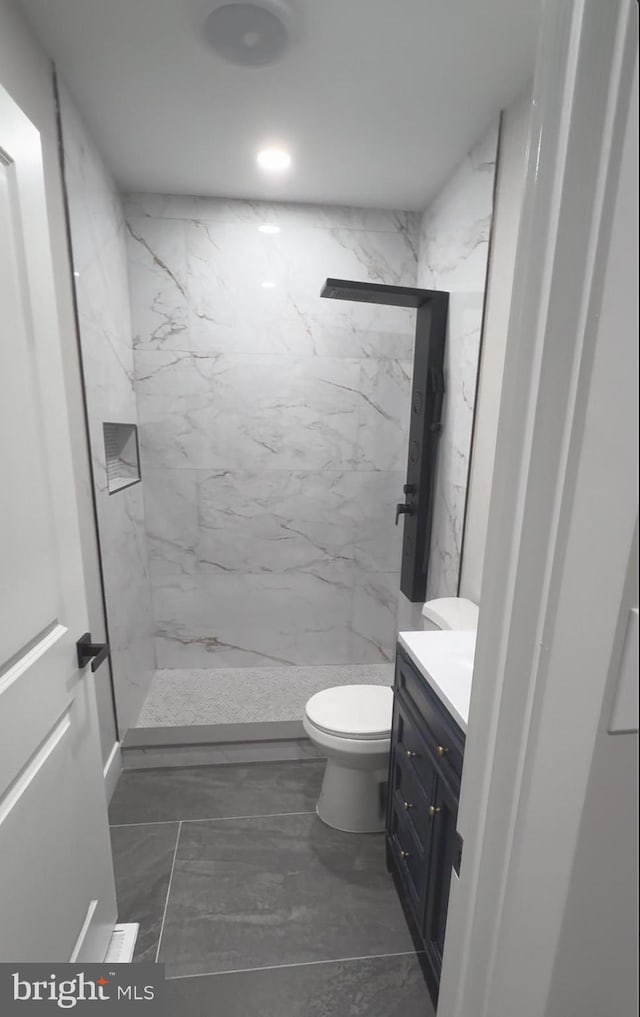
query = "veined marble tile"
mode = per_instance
[
  {"x": 453, "y": 251},
  {"x": 273, "y": 520},
  {"x": 201, "y": 521},
  {"x": 97, "y": 206},
  {"x": 371, "y": 504},
  {"x": 220, "y": 411},
  {"x": 158, "y": 283},
  {"x": 171, "y": 510},
  {"x": 383, "y": 414},
  {"x": 344, "y": 339},
  {"x": 236, "y": 620},
  {"x": 375, "y": 614},
  {"x": 262, "y": 430},
  {"x": 446, "y": 539},
  {"x": 232, "y": 210},
  {"x": 244, "y": 287},
  {"x": 101, "y": 281}
]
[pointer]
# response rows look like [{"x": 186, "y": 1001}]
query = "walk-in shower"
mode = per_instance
[{"x": 258, "y": 560}]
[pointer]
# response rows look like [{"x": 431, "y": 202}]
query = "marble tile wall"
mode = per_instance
[
  {"x": 102, "y": 294},
  {"x": 452, "y": 255},
  {"x": 273, "y": 428}
]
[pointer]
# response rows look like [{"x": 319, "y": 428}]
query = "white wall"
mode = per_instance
[
  {"x": 506, "y": 220},
  {"x": 596, "y": 966},
  {"x": 530, "y": 929},
  {"x": 26, "y": 73}
]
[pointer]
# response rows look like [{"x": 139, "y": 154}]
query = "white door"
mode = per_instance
[{"x": 57, "y": 898}]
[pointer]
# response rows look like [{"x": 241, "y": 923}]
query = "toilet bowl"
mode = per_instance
[{"x": 351, "y": 725}]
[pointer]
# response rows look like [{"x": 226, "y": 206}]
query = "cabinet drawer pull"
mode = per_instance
[
  {"x": 441, "y": 751},
  {"x": 410, "y": 754},
  {"x": 433, "y": 810},
  {"x": 407, "y": 805},
  {"x": 404, "y": 855}
]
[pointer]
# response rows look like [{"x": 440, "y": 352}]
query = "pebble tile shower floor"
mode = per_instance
[
  {"x": 239, "y": 695},
  {"x": 255, "y": 907}
]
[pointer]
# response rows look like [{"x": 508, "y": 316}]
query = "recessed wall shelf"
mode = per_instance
[{"x": 122, "y": 456}]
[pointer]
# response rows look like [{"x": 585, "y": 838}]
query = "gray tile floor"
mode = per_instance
[{"x": 256, "y": 908}]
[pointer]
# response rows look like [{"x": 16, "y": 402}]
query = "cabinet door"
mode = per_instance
[{"x": 442, "y": 858}]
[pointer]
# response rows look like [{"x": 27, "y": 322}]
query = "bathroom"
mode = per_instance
[{"x": 250, "y": 442}]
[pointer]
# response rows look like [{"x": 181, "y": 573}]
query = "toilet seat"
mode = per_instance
[{"x": 353, "y": 712}]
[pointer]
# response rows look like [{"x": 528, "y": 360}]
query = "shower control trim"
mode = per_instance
[{"x": 404, "y": 509}]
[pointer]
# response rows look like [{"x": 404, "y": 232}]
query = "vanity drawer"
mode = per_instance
[
  {"x": 411, "y": 798},
  {"x": 409, "y": 857},
  {"x": 411, "y": 748},
  {"x": 442, "y": 735}
]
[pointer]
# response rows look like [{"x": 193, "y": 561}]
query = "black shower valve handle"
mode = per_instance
[{"x": 404, "y": 509}]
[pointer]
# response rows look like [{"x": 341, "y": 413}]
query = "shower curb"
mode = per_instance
[
  {"x": 213, "y": 734},
  {"x": 216, "y": 744}
]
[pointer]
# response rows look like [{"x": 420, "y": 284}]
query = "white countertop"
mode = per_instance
[{"x": 445, "y": 659}]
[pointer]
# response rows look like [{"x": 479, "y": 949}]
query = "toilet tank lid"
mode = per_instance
[{"x": 452, "y": 613}]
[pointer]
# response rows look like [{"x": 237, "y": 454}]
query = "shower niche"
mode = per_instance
[{"x": 122, "y": 456}]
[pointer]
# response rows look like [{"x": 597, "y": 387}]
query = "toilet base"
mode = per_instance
[{"x": 353, "y": 799}]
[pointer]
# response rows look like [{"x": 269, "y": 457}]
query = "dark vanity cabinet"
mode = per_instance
[{"x": 423, "y": 847}]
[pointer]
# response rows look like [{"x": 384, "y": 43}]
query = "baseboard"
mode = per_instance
[{"x": 112, "y": 770}]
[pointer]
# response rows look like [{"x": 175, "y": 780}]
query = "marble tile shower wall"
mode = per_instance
[
  {"x": 273, "y": 428},
  {"x": 453, "y": 249},
  {"x": 100, "y": 267}
]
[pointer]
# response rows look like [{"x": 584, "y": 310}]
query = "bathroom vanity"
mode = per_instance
[{"x": 431, "y": 706}]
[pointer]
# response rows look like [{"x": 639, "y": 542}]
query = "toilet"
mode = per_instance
[{"x": 351, "y": 725}]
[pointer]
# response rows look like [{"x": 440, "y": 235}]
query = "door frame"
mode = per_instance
[{"x": 553, "y": 598}]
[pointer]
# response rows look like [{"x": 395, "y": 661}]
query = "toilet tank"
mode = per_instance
[{"x": 450, "y": 613}]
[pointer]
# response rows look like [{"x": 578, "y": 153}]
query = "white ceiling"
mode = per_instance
[{"x": 377, "y": 100}]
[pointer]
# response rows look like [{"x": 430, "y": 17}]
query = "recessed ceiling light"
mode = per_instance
[
  {"x": 268, "y": 285},
  {"x": 269, "y": 227},
  {"x": 275, "y": 160}
]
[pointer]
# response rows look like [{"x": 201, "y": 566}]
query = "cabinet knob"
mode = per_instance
[
  {"x": 404, "y": 855},
  {"x": 441, "y": 751},
  {"x": 411, "y": 755},
  {"x": 433, "y": 811},
  {"x": 407, "y": 805}
]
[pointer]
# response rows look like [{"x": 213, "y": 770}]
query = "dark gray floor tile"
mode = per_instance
[
  {"x": 380, "y": 987},
  {"x": 260, "y": 892},
  {"x": 209, "y": 792},
  {"x": 142, "y": 859}
]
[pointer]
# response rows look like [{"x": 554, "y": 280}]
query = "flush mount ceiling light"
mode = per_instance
[
  {"x": 269, "y": 228},
  {"x": 250, "y": 34},
  {"x": 268, "y": 285},
  {"x": 274, "y": 160}
]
